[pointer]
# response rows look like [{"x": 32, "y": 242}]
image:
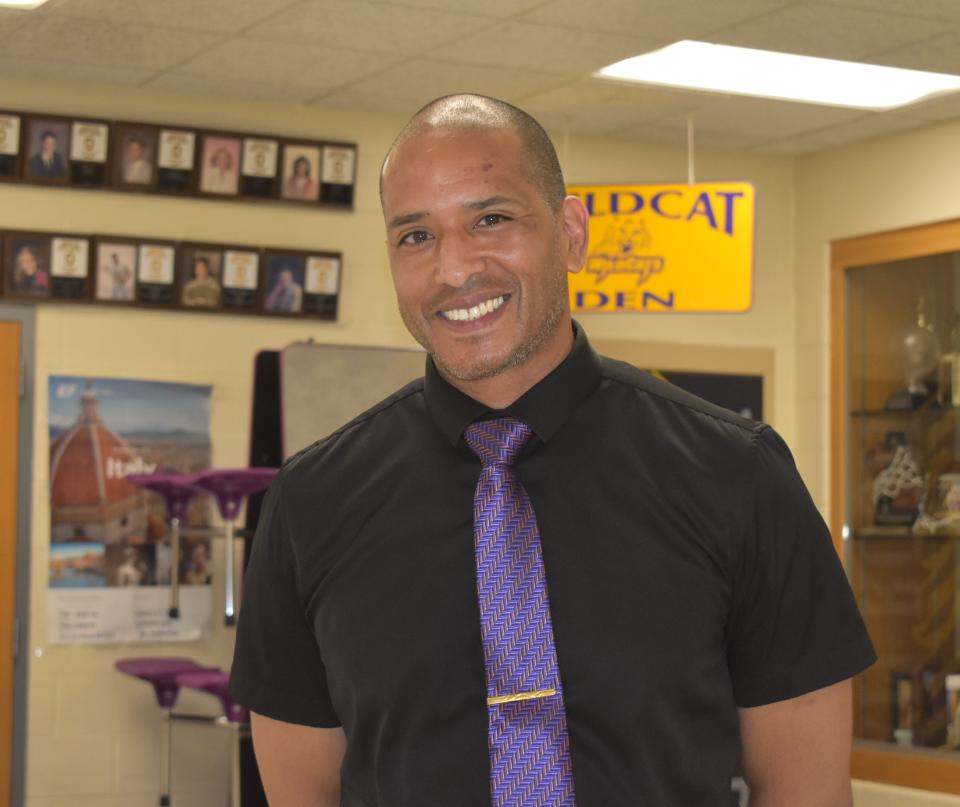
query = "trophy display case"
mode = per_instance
[{"x": 895, "y": 480}]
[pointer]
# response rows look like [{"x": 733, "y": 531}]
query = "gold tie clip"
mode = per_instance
[{"x": 521, "y": 696}]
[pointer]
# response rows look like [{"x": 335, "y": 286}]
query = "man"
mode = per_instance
[
  {"x": 137, "y": 170},
  {"x": 697, "y": 617},
  {"x": 48, "y": 162},
  {"x": 286, "y": 294}
]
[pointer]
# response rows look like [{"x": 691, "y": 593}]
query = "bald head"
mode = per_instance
[{"x": 478, "y": 113}]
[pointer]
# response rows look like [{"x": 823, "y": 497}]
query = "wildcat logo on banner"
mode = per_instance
[{"x": 672, "y": 247}]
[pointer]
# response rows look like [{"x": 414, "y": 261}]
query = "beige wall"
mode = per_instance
[
  {"x": 885, "y": 184},
  {"x": 91, "y": 733},
  {"x": 898, "y": 181}
]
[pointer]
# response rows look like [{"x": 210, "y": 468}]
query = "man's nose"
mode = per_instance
[{"x": 457, "y": 259}]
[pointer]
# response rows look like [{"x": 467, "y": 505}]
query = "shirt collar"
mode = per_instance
[{"x": 544, "y": 407}]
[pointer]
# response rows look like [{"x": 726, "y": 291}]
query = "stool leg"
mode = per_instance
[
  {"x": 165, "y": 758},
  {"x": 230, "y": 616},
  {"x": 234, "y": 765},
  {"x": 174, "y": 568}
]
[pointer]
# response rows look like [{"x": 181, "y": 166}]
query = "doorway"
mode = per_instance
[{"x": 10, "y": 363}]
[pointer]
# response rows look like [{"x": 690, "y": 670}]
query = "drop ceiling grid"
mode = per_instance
[{"x": 391, "y": 55}]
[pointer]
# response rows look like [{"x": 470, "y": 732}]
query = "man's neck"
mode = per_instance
[{"x": 501, "y": 390}]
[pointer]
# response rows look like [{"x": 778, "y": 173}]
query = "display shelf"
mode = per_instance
[
  {"x": 906, "y": 414},
  {"x": 895, "y": 312}
]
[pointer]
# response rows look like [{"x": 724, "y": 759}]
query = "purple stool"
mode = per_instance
[
  {"x": 162, "y": 674},
  {"x": 235, "y": 716},
  {"x": 176, "y": 490},
  {"x": 230, "y": 486}
]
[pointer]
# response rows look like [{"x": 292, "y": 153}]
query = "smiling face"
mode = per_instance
[
  {"x": 26, "y": 262},
  {"x": 479, "y": 259}
]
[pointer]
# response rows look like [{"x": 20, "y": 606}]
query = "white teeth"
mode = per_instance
[{"x": 474, "y": 312}]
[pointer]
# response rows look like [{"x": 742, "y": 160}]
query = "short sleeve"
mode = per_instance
[
  {"x": 277, "y": 669},
  {"x": 794, "y": 625}
]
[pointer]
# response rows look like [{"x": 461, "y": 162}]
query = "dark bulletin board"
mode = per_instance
[{"x": 742, "y": 394}]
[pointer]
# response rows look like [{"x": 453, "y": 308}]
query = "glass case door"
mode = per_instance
[{"x": 896, "y": 496}]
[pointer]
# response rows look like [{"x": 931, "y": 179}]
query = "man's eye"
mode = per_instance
[
  {"x": 492, "y": 218},
  {"x": 416, "y": 237}
]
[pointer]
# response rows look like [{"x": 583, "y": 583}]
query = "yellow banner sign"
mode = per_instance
[{"x": 666, "y": 248}]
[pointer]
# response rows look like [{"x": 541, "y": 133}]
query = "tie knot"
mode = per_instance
[{"x": 498, "y": 441}]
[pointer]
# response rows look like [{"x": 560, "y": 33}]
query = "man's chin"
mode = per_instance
[{"x": 474, "y": 369}]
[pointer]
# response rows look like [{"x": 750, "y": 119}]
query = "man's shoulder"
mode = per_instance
[
  {"x": 666, "y": 398},
  {"x": 364, "y": 430}
]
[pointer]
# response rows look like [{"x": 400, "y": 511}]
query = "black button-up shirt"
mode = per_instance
[{"x": 688, "y": 570}]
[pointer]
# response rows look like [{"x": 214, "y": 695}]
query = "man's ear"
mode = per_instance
[{"x": 575, "y": 221}]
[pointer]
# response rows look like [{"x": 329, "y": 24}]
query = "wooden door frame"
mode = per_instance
[{"x": 25, "y": 316}]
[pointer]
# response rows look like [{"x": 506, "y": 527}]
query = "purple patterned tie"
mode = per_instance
[{"x": 529, "y": 746}]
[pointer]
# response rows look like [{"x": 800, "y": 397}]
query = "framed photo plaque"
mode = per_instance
[
  {"x": 200, "y": 275},
  {"x": 338, "y": 177},
  {"x": 26, "y": 264},
  {"x": 284, "y": 274},
  {"x": 88, "y": 153},
  {"x": 322, "y": 285},
  {"x": 115, "y": 270},
  {"x": 9, "y": 146},
  {"x": 301, "y": 167},
  {"x": 175, "y": 160},
  {"x": 135, "y": 157},
  {"x": 241, "y": 272},
  {"x": 220, "y": 165},
  {"x": 155, "y": 273},
  {"x": 48, "y": 147},
  {"x": 258, "y": 175},
  {"x": 69, "y": 267}
]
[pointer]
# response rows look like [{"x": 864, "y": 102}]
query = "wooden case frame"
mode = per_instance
[{"x": 926, "y": 769}]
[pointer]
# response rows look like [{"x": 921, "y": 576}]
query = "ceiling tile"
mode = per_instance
[
  {"x": 99, "y": 43},
  {"x": 834, "y": 32},
  {"x": 422, "y": 80},
  {"x": 929, "y": 9},
  {"x": 939, "y": 55},
  {"x": 867, "y": 127},
  {"x": 946, "y": 107},
  {"x": 761, "y": 117},
  {"x": 671, "y": 19},
  {"x": 488, "y": 8},
  {"x": 595, "y": 106},
  {"x": 367, "y": 26},
  {"x": 53, "y": 70},
  {"x": 225, "y": 16},
  {"x": 675, "y": 135},
  {"x": 226, "y": 86},
  {"x": 11, "y": 19},
  {"x": 787, "y": 147},
  {"x": 528, "y": 46},
  {"x": 561, "y": 126},
  {"x": 319, "y": 68},
  {"x": 379, "y": 104}
]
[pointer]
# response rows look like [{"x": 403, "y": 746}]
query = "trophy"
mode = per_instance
[
  {"x": 898, "y": 483},
  {"x": 921, "y": 350}
]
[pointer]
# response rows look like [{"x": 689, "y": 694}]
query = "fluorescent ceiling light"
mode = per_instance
[
  {"x": 22, "y": 3},
  {"x": 768, "y": 74}
]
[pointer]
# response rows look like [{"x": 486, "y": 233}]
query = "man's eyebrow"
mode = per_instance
[
  {"x": 483, "y": 204},
  {"x": 407, "y": 218}
]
